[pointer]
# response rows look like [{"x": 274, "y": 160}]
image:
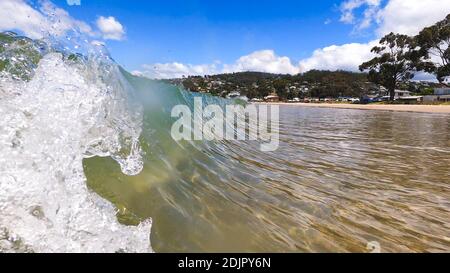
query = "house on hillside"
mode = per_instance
[
  {"x": 398, "y": 94},
  {"x": 233, "y": 95},
  {"x": 237, "y": 95},
  {"x": 440, "y": 95},
  {"x": 273, "y": 97}
]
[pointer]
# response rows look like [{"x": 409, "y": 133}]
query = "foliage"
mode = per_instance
[
  {"x": 18, "y": 55},
  {"x": 392, "y": 64},
  {"x": 259, "y": 85},
  {"x": 431, "y": 49}
]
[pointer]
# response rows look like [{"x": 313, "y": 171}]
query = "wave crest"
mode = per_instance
[{"x": 67, "y": 111}]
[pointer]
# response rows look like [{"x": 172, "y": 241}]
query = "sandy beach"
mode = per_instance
[{"x": 382, "y": 107}]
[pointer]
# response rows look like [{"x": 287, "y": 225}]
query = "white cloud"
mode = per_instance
[
  {"x": 406, "y": 17},
  {"x": 261, "y": 61},
  {"x": 111, "y": 28},
  {"x": 343, "y": 57},
  {"x": 60, "y": 21},
  {"x": 409, "y": 17},
  {"x": 400, "y": 16},
  {"x": 349, "y": 7},
  {"x": 19, "y": 15}
]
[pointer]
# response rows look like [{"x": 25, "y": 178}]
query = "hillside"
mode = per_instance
[
  {"x": 315, "y": 83},
  {"x": 258, "y": 85}
]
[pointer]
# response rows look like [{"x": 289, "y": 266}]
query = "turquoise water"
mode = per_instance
[
  {"x": 76, "y": 128},
  {"x": 339, "y": 180}
]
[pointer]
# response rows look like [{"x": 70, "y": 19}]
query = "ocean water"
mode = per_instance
[
  {"x": 54, "y": 113},
  {"x": 87, "y": 164},
  {"x": 340, "y": 181}
]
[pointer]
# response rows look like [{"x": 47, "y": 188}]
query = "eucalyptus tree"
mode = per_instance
[
  {"x": 431, "y": 50},
  {"x": 392, "y": 63}
]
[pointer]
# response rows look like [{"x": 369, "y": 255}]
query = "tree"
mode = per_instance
[
  {"x": 263, "y": 89},
  {"x": 431, "y": 50},
  {"x": 393, "y": 63},
  {"x": 280, "y": 87}
]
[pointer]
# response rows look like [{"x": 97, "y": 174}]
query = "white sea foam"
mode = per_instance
[{"x": 67, "y": 112}]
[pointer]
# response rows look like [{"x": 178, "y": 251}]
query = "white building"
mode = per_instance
[
  {"x": 233, "y": 95},
  {"x": 398, "y": 94},
  {"x": 441, "y": 91},
  {"x": 440, "y": 94}
]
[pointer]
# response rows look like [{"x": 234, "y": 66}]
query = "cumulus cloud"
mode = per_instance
[
  {"x": 19, "y": 15},
  {"x": 111, "y": 28},
  {"x": 60, "y": 20},
  {"x": 261, "y": 61},
  {"x": 409, "y": 17},
  {"x": 343, "y": 57},
  {"x": 399, "y": 16},
  {"x": 349, "y": 7}
]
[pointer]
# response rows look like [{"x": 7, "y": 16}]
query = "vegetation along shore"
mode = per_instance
[{"x": 388, "y": 76}]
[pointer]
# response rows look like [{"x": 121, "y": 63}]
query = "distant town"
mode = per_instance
[
  {"x": 312, "y": 86},
  {"x": 388, "y": 76}
]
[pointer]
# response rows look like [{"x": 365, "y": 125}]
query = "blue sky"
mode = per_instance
[
  {"x": 163, "y": 39},
  {"x": 207, "y": 31}
]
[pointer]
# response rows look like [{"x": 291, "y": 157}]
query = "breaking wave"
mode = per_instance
[
  {"x": 57, "y": 109},
  {"x": 77, "y": 130}
]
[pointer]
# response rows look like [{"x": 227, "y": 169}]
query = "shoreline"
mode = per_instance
[{"x": 440, "y": 109}]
